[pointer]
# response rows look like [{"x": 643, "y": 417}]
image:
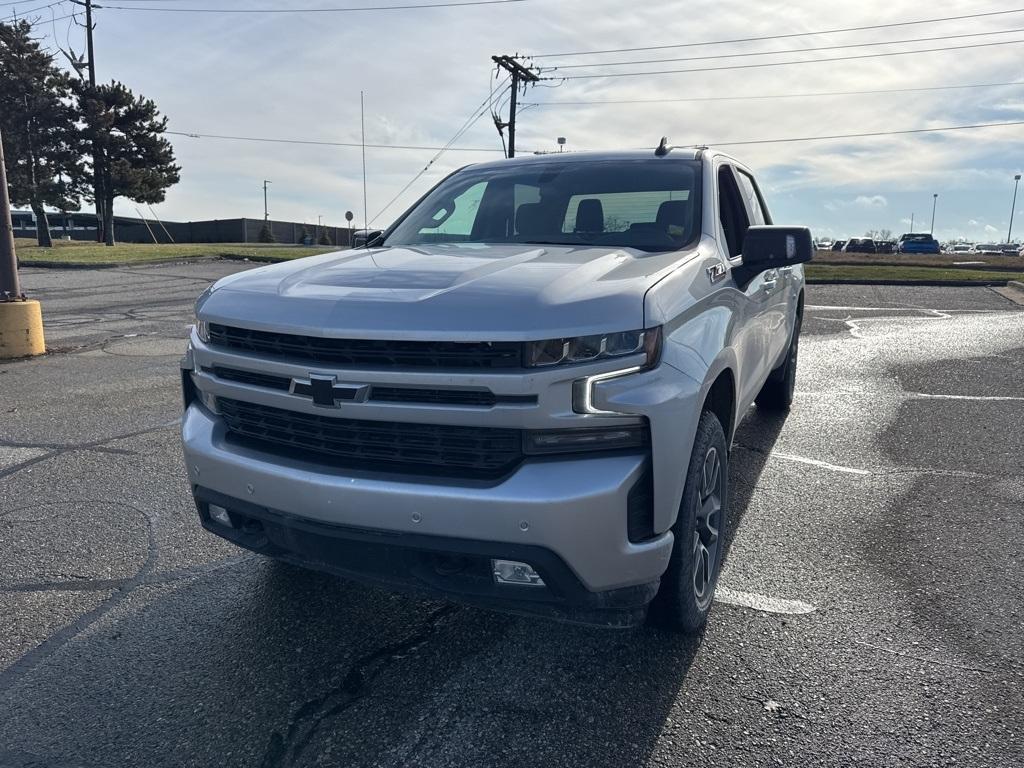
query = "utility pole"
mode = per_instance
[
  {"x": 911, "y": 222},
  {"x": 1013, "y": 205},
  {"x": 266, "y": 213},
  {"x": 935, "y": 201},
  {"x": 99, "y": 188},
  {"x": 520, "y": 74},
  {"x": 21, "y": 319}
]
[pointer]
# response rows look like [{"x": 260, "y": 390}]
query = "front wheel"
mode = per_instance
[{"x": 688, "y": 585}]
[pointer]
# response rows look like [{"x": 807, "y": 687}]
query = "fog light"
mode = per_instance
[
  {"x": 512, "y": 572},
  {"x": 220, "y": 515}
]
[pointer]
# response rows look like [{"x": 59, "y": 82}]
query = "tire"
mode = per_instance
[
  {"x": 688, "y": 585},
  {"x": 777, "y": 392}
]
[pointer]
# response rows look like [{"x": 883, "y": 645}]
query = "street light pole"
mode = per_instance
[
  {"x": 911, "y": 222},
  {"x": 1013, "y": 205},
  {"x": 266, "y": 213},
  {"x": 935, "y": 201}
]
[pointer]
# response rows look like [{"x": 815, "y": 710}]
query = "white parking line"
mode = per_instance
[
  {"x": 762, "y": 602},
  {"x": 995, "y": 398},
  {"x": 822, "y": 464},
  {"x": 830, "y": 307}
]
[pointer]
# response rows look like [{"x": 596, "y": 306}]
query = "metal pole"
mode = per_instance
[
  {"x": 10, "y": 288},
  {"x": 935, "y": 201},
  {"x": 362, "y": 124},
  {"x": 1013, "y": 206},
  {"x": 911, "y": 222}
]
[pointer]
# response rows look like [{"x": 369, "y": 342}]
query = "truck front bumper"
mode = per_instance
[{"x": 566, "y": 517}]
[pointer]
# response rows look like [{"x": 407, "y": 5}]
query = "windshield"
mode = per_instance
[{"x": 649, "y": 204}]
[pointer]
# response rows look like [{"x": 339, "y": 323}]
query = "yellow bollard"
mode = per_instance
[{"x": 21, "y": 329}]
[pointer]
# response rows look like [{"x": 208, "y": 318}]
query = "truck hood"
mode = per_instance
[{"x": 446, "y": 292}]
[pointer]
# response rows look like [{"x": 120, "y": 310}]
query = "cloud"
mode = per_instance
[
  {"x": 974, "y": 223},
  {"x": 874, "y": 201},
  {"x": 990, "y": 229}
]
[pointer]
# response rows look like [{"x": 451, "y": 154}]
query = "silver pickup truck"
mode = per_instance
[{"x": 521, "y": 395}]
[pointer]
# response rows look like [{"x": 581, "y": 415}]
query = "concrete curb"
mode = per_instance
[{"x": 935, "y": 283}]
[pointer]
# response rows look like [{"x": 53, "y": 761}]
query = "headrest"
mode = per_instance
[
  {"x": 590, "y": 216},
  {"x": 528, "y": 219},
  {"x": 673, "y": 216}
]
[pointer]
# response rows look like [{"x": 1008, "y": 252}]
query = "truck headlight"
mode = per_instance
[
  {"x": 585, "y": 349},
  {"x": 203, "y": 330}
]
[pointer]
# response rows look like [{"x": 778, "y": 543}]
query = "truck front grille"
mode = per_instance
[
  {"x": 474, "y": 452},
  {"x": 370, "y": 352}
]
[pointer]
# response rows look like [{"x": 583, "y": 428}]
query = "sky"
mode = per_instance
[{"x": 298, "y": 75}]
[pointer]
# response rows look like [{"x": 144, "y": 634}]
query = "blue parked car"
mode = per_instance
[{"x": 914, "y": 243}]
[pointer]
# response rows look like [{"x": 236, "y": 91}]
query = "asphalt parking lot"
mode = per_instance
[{"x": 870, "y": 609}]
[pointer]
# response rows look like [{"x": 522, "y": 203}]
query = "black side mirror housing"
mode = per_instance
[
  {"x": 772, "y": 247},
  {"x": 367, "y": 238}
]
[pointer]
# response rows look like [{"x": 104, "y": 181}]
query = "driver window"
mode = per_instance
[
  {"x": 731, "y": 211},
  {"x": 456, "y": 217}
]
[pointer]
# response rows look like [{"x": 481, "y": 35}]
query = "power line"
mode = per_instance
[
  {"x": 834, "y": 30},
  {"x": 407, "y": 7},
  {"x": 758, "y": 97},
  {"x": 786, "y": 63},
  {"x": 264, "y": 139},
  {"x": 479, "y": 112},
  {"x": 790, "y": 50},
  {"x": 793, "y": 139}
]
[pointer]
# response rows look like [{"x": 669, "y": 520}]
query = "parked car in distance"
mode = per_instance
[
  {"x": 960, "y": 248},
  {"x": 1011, "y": 249},
  {"x": 823, "y": 245},
  {"x": 885, "y": 246},
  {"x": 838, "y": 245},
  {"x": 917, "y": 243},
  {"x": 860, "y": 245},
  {"x": 990, "y": 249},
  {"x": 522, "y": 395}
]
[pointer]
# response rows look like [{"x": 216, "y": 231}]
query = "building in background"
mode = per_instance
[{"x": 82, "y": 226}]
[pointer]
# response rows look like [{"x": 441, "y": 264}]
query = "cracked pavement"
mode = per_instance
[{"x": 871, "y": 612}]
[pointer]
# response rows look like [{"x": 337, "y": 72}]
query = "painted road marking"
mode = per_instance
[
  {"x": 927, "y": 396},
  {"x": 829, "y": 308},
  {"x": 762, "y": 602},
  {"x": 822, "y": 464}
]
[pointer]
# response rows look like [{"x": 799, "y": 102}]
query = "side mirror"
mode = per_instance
[
  {"x": 772, "y": 247},
  {"x": 366, "y": 238}
]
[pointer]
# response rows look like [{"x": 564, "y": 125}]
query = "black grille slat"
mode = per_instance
[
  {"x": 251, "y": 377},
  {"x": 439, "y": 396},
  {"x": 370, "y": 352},
  {"x": 417, "y": 448}
]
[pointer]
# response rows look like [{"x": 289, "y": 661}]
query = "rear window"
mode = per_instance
[{"x": 650, "y": 204}]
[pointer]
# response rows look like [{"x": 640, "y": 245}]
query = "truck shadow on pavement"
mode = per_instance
[{"x": 263, "y": 664}]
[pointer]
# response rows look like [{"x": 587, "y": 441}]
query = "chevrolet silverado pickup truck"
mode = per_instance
[{"x": 521, "y": 395}]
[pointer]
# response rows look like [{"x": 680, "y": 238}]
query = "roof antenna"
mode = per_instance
[{"x": 663, "y": 147}]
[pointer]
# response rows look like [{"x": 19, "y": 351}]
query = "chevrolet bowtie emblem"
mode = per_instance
[{"x": 327, "y": 392}]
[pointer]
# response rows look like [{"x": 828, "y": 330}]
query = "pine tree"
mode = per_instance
[
  {"x": 42, "y": 142},
  {"x": 324, "y": 237},
  {"x": 130, "y": 154},
  {"x": 266, "y": 234}
]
